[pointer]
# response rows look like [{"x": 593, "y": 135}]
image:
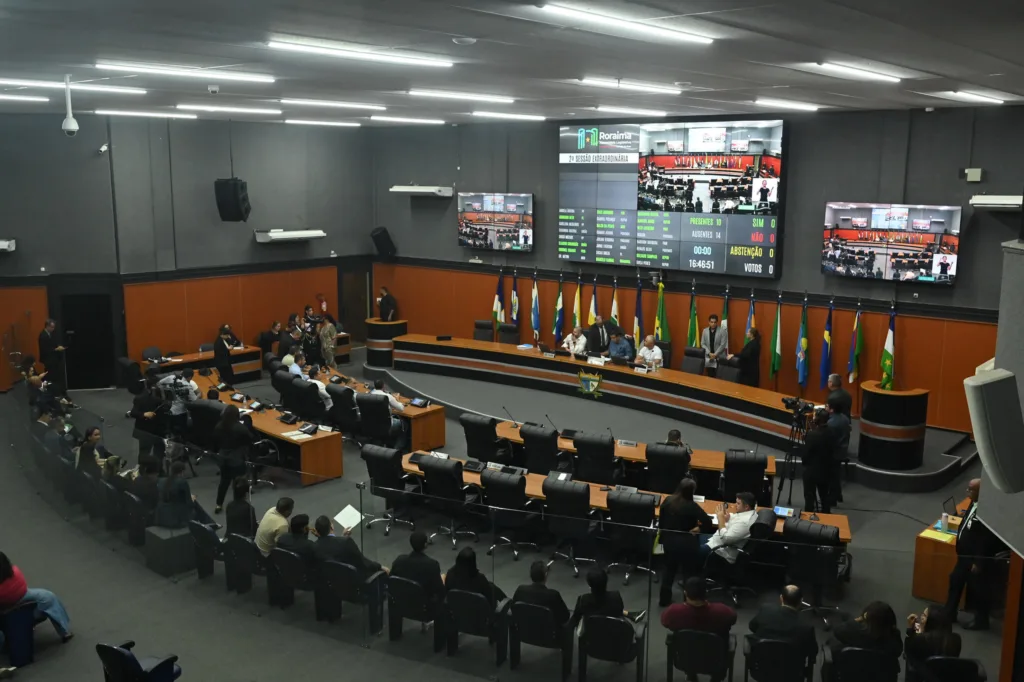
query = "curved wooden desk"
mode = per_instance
[
  {"x": 380, "y": 340},
  {"x": 892, "y": 427},
  {"x": 743, "y": 411},
  {"x": 246, "y": 362}
]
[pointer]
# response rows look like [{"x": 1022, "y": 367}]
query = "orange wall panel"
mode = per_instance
[
  {"x": 209, "y": 303},
  {"x": 23, "y": 311},
  {"x": 156, "y": 314},
  {"x": 967, "y": 345}
]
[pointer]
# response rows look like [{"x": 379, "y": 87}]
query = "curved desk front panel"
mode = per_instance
[
  {"x": 892, "y": 428},
  {"x": 752, "y": 413},
  {"x": 380, "y": 344}
]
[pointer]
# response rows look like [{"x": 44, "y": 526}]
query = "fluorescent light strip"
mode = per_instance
[
  {"x": 621, "y": 24},
  {"x": 971, "y": 97},
  {"x": 403, "y": 119},
  {"x": 629, "y": 85},
  {"x": 205, "y": 74},
  {"x": 516, "y": 117},
  {"x": 23, "y": 98},
  {"x": 326, "y": 103},
  {"x": 339, "y": 124},
  {"x": 471, "y": 96},
  {"x": 342, "y": 53},
  {"x": 228, "y": 110},
  {"x": 858, "y": 73},
  {"x": 59, "y": 85},
  {"x": 149, "y": 114},
  {"x": 785, "y": 104},
  {"x": 629, "y": 110}
]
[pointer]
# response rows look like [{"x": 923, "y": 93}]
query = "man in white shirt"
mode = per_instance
[
  {"x": 314, "y": 378},
  {"x": 733, "y": 529},
  {"x": 378, "y": 389},
  {"x": 575, "y": 342},
  {"x": 296, "y": 367},
  {"x": 649, "y": 353},
  {"x": 397, "y": 427}
]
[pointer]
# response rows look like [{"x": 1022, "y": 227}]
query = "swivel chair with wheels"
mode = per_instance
[
  {"x": 508, "y": 333},
  {"x": 631, "y": 530},
  {"x": 509, "y": 508},
  {"x": 733, "y": 579},
  {"x": 343, "y": 413},
  {"x": 482, "y": 442},
  {"x": 570, "y": 519},
  {"x": 471, "y": 613},
  {"x": 443, "y": 484},
  {"x": 535, "y": 625},
  {"x": 616, "y": 640},
  {"x": 813, "y": 551},
  {"x": 745, "y": 472},
  {"x": 390, "y": 482},
  {"x": 338, "y": 584},
  {"x": 375, "y": 419}
]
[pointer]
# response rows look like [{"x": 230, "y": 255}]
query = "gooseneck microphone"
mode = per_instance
[
  {"x": 514, "y": 422},
  {"x": 551, "y": 422}
]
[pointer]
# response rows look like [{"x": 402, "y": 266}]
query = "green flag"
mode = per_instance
[
  {"x": 693, "y": 330},
  {"x": 889, "y": 355},
  {"x": 661, "y": 332},
  {"x": 776, "y": 346}
]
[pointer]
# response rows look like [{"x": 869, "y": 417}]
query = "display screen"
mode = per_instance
[
  {"x": 496, "y": 222},
  {"x": 903, "y": 243},
  {"x": 695, "y": 196}
]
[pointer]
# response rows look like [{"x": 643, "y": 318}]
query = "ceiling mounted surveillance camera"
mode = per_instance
[{"x": 70, "y": 125}]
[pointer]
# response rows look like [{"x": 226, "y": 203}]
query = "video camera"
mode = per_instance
[{"x": 797, "y": 406}]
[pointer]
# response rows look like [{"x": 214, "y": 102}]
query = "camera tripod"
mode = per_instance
[{"x": 797, "y": 430}]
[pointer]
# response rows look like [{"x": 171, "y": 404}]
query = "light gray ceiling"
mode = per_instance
[{"x": 766, "y": 48}]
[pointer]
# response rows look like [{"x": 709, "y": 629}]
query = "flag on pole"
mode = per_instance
[
  {"x": 513, "y": 303},
  {"x": 724, "y": 322},
  {"x": 888, "y": 354},
  {"x": 802, "y": 349},
  {"x": 615, "y": 302},
  {"x": 556, "y": 328},
  {"x": 826, "y": 350},
  {"x": 856, "y": 344},
  {"x": 638, "y": 315},
  {"x": 751, "y": 321},
  {"x": 776, "y": 363},
  {"x": 661, "y": 332},
  {"x": 535, "y": 309},
  {"x": 498, "y": 307},
  {"x": 592, "y": 314},
  {"x": 693, "y": 328},
  {"x": 577, "y": 317}
]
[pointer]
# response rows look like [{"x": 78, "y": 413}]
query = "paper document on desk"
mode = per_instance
[
  {"x": 938, "y": 535},
  {"x": 244, "y": 412},
  {"x": 292, "y": 434},
  {"x": 328, "y": 429},
  {"x": 301, "y": 436},
  {"x": 349, "y": 517},
  {"x": 698, "y": 498},
  {"x": 175, "y": 360}
]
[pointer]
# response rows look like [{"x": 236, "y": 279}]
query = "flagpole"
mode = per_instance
[{"x": 778, "y": 327}]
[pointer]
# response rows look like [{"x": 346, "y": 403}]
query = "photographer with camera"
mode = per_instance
[
  {"x": 839, "y": 425},
  {"x": 816, "y": 458}
]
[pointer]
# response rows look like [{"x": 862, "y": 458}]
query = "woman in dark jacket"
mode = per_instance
[
  {"x": 465, "y": 576},
  {"x": 91, "y": 452},
  {"x": 177, "y": 505},
  {"x": 241, "y": 517},
  {"x": 749, "y": 359},
  {"x": 874, "y": 629},
  {"x": 233, "y": 440},
  {"x": 930, "y": 634},
  {"x": 599, "y": 602},
  {"x": 680, "y": 515}
]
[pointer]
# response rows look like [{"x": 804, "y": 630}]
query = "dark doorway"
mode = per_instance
[
  {"x": 355, "y": 288},
  {"x": 87, "y": 323}
]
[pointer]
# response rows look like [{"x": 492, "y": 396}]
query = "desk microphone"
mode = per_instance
[
  {"x": 611, "y": 434},
  {"x": 514, "y": 422},
  {"x": 551, "y": 422}
]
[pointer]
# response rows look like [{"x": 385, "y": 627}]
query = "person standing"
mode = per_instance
[
  {"x": 222, "y": 354},
  {"x": 328, "y": 341},
  {"x": 598, "y": 336},
  {"x": 233, "y": 441},
  {"x": 817, "y": 463},
  {"x": 715, "y": 344},
  {"x": 51, "y": 354},
  {"x": 842, "y": 398},
  {"x": 839, "y": 425},
  {"x": 749, "y": 359},
  {"x": 974, "y": 547},
  {"x": 680, "y": 515},
  {"x": 388, "y": 305}
]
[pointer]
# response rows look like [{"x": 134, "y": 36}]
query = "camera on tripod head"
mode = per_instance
[{"x": 797, "y": 406}]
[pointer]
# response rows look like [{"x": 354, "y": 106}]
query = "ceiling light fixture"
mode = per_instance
[
  {"x": 403, "y": 119},
  {"x": 858, "y": 73},
  {"x": 327, "y": 103},
  {"x": 150, "y": 114},
  {"x": 629, "y": 85},
  {"x": 785, "y": 104},
  {"x": 228, "y": 110},
  {"x": 205, "y": 74},
  {"x": 23, "y": 98},
  {"x": 338, "y": 124},
  {"x": 362, "y": 55},
  {"x": 83, "y": 87},
  {"x": 516, "y": 117},
  {"x": 622, "y": 24},
  {"x": 972, "y": 97},
  {"x": 628, "y": 110},
  {"x": 470, "y": 96}
]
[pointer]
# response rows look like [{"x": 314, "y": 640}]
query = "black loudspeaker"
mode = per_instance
[
  {"x": 232, "y": 199},
  {"x": 382, "y": 240}
]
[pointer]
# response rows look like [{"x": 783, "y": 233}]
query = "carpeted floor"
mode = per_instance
[{"x": 111, "y": 596}]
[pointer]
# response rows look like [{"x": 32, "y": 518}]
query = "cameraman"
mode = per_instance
[
  {"x": 839, "y": 425},
  {"x": 816, "y": 458},
  {"x": 183, "y": 390}
]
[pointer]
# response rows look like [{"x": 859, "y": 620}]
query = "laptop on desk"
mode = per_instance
[{"x": 618, "y": 360}]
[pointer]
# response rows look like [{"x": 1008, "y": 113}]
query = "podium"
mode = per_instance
[
  {"x": 892, "y": 427},
  {"x": 380, "y": 344}
]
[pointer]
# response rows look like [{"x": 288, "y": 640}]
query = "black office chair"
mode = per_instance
[
  {"x": 613, "y": 639},
  {"x": 851, "y": 664},
  {"x": 204, "y": 417},
  {"x": 268, "y": 354},
  {"x": 151, "y": 353},
  {"x": 769, "y": 660},
  {"x": 666, "y": 351},
  {"x": 569, "y": 518},
  {"x": 281, "y": 380},
  {"x": 595, "y": 458},
  {"x": 483, "y": 330},
  {"x": 693, "y": 360},
  {"x": 728, "y": 370},
  {"x": 209, "y": 548},
  {"x": 733, "y": 579},
  {"x": 482, "y": 442},
  {"x": 509, "y": 508},
  {"x": 309, "y": 405},
  {"x": 138, "y": 519},
  {"x": 343, "y": 413},
  {"x": 375, "y": 418},
  {"x": 508, "y": 333},
  {"x": 666, "y": 466},
  {"x": 952, "y": 669},
  {"x": 242, "y": 560},
  {"x": 540, "y": 447},
  {"x": 631, "y": 530},
  {"x": 206, "y": 348},
  {"x": 443, "y": 484},
  {"x": 536, "y": 626},
  {"x": 287, "y": 572},
  {"x": 121, "y": 665},
  {"x": 273, "y": 364},
  {"x": 389, "y": 481},
  {"x": 813, "y": 556},
  {"x": 90, "y": 495},
  {"x": 744, "y": 472},
  {"x": 696, "y": 652},
  {"x": 130, "y": 375},
  {"x": 471, "y": 613},
  {"x": 339, "y": 583},
  {"x": 407, "y": 599}
]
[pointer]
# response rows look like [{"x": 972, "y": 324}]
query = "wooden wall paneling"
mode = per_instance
[
  {"x": 156, "y": 315},
  {"x": 842, "y": 327},
  {"x": 265, "y": 299},
  {"x": 209, "y": 303},
  {"x": 787, "y": 377},
  {"x": 766, "y": 312},
  {"x": 966, "y": 345},
  {"x": 918, "y": 369},
  {"x": 816, "y": 317},
  {"x": 23, "y": 311}
]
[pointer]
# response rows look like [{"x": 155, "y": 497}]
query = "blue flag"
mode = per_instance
[
  {"x": 535, "y": 310},
  {"x": 802, "y": 347},
  {"x": 826, "y": 350}
]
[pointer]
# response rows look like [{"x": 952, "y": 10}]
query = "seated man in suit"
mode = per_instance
[
  {"x": 540, "y": 594},
  {"x": 782, "y": 622},
  {"x": 618, "y": 347},
  {"x": 343, "y": 549},
  {"x": 297, "y": 539},
  {"x": 420, "y": 568},
  {"x": 599, "y": 336},
  {"x": 697, "y": 613}
]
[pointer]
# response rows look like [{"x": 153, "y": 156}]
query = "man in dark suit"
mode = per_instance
[
  {"x": 782, "y": 622},
  {"x": 420, "y": 568},
  {"x": 222, "y": 354},
  {"x": 839, "y": 426},
  {"x": 975, "y": 545},
  {"x": 342, "y": 549},
  {"x": 540, "y": 594},
  {"x": 388, "y": 306},
  {"x": 598, "y": 336},
  {"x": 839, "y": 395},
  {"x": 146, "y": 488},
  {"x": 51, "y": 354},
  {"x": 297, "y": 539}
]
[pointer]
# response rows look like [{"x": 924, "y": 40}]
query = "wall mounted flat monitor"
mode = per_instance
[
  {"x": 496, "y": 222},
  {"x": 894, "y": 242},
  {"x": 699, "y": 196}
]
